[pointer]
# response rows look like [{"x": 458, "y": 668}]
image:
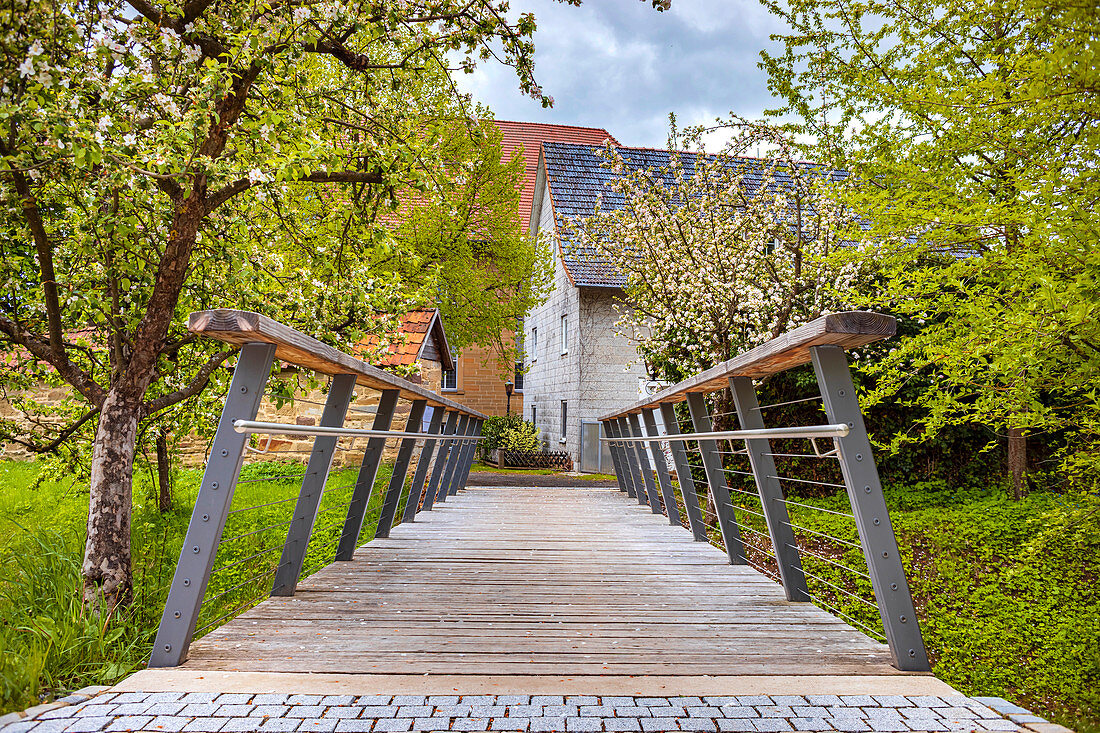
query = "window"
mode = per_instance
[
  {"x": 450, "y": 378},
  {"x": 534, "y": 416},
  {"x": 564, "y": 419},
  {"x": 534, "y": 343},
  {"x": 565, "y": 334}
]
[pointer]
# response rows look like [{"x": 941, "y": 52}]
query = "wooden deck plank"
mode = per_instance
[{"x": 539, "y": 581}]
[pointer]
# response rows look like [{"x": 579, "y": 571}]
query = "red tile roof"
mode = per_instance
[
  {"x": 416, "y": 327},
  {"x": 530, "y": 136}
]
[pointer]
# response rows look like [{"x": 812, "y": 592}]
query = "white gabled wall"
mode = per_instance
[{"x": 592, "y": 375}]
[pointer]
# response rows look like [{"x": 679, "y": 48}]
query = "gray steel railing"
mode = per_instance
[
  {"x": 756, "y": 528},
  {"x": 215, "y": 579}
]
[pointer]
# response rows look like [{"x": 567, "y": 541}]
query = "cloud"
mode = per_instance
[{"x": 621, "y": 65}]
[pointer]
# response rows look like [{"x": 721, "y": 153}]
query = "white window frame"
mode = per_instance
[
  {"x": 534, "y": 344},
  {"x": 564, "y": 420},
  {"x": 443, "y": 378},
  {"x": 565, "y": 334}
]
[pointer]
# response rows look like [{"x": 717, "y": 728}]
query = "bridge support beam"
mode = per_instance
[
  {"x": 643, "y": 462},
  {"x": 683, "y": 474},
  {"x": 340, "y": 392},
  {"x": 613, "y": 449},
  {"x": 626, "y": 481},
  {"x": 223, "y": 468},
  {"x": 440, "y": 461},
  {"x": 876, "y": 534},
  {"x": 660, "y": 466},
  {"x": 770, "y": 491},
  {"x": 368, "y": 472},
  {"x": 453, "y": 447},
  {"x": 392, "y": 498},
  {"x": 632, "y": 468},
  {"x": 416, "y": 487},
  {"x": 716, "y": 481}
]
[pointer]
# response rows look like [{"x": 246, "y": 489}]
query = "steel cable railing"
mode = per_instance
[
  {"x": 256, "y": 530},
  {"x": 773, "y": 497}
]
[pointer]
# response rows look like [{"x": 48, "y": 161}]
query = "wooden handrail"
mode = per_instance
[
  {"x": 294, "y": 347},
  {"x": 847, "y": 330}
]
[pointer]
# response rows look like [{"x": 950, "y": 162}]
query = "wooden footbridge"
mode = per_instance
[{"x": 669, "y": 580}]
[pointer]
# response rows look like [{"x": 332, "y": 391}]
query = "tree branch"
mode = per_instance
[
  {"x": 198, "y": 384},
  {"x": 54, "y": 444}
]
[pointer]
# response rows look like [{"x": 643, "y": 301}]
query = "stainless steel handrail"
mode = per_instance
[
  {"x": 840, "y": 430},
  {"x": 277, "y": 428}
]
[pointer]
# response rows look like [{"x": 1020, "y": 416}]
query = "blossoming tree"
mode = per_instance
[
  {"x": 160, "y": 156},
  {"x": 720, "y": 251}
]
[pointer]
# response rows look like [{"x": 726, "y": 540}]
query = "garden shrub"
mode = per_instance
[{"x": 523, "y": 438}]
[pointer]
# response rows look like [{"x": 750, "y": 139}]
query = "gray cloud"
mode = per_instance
[{"x": 621, "y": 65}]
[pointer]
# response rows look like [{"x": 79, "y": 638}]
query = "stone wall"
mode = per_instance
[{"x": 306, "y": 410}]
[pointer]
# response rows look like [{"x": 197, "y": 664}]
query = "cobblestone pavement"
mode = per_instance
[{"x": 177, "y": 711}]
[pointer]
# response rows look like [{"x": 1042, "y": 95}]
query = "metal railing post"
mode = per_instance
[
  {"x": 392, "y": 497},
  {"x": 876, "y": 534},
  {"x": 619, "y": 449},
  {"x": 464, "y": 450},
  {"x": 453, "y": 446},
  {"x": 368, "y": 472},
  {"x": 716, "y": 480},
  {"x": 440, "y": 461},
  {"x": 770, "y": 491},
  {"x": 416, "y": 488},
  {"x": 223, "y": 468},
  {"x": 340, "y": 393},
  {"x": 613, "y": 449},
  {"x": 643, "y": 461},
  {"x": 660, "y": 466},
  {"x": 463, "y": 473},
  {"x": 683, "y": 474},
  {"x": 632, "y": 467}
]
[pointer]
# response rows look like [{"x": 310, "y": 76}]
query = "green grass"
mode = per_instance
[
  {"x": 50, "y": 644},
  {"x": 1006, "y": 591}
]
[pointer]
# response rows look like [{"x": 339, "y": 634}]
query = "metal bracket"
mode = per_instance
[
  {"x": 876, "y": 534},
  {"x": 368, "y": 472},
  {"x": 683, "y": 474},
  {"x": 716, "y": 480},
  {"x": 392, "y": 498},
  {"x": 223, "y": 468},
  {"x": 340, "y": 393},
  {"x": 416, "y": 488},
  {"x": 771, "y": 492}
]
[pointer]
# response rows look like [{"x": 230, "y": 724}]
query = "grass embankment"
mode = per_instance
[
  {"x": 1006, "y": 591},
  {"x": 49, "y": 643}
]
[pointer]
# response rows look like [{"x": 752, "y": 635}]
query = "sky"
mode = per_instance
[{"x": 623, "y": 66}]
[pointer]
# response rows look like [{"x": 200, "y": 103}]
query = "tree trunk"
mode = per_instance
[
  {"x": 1017, "y": 462},
  {"x": 108, "y": 579},
  {"x": 164, "y": 474}
]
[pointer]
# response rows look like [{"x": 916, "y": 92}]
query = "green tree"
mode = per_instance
[
  {"x": 973, "y": 130},
  {"x": 162, "y": 157},
  {"x": 466, "y": 240}
]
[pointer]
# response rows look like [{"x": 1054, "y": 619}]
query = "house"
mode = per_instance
[
  {"x": 578, "y": 366},
  {"x": 477, "y": 379}
]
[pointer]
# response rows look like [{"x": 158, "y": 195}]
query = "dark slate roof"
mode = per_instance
[{"x": 576, "y": 178}]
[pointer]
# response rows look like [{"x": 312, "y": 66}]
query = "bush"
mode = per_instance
[
  {"x": 493, "y": 428},
  {"x": 523, "y": 438}
]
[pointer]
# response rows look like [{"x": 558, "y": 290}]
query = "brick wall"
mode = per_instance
[{"x": 481, "y": 381}]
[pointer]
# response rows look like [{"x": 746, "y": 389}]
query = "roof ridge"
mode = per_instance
[{"x": 690, "y": 152}]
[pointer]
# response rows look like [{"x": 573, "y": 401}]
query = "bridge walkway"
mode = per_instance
[{"x": 539, "y": 581}]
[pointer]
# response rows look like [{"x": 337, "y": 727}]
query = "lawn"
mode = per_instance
[{"x": 49, "y": 644}]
